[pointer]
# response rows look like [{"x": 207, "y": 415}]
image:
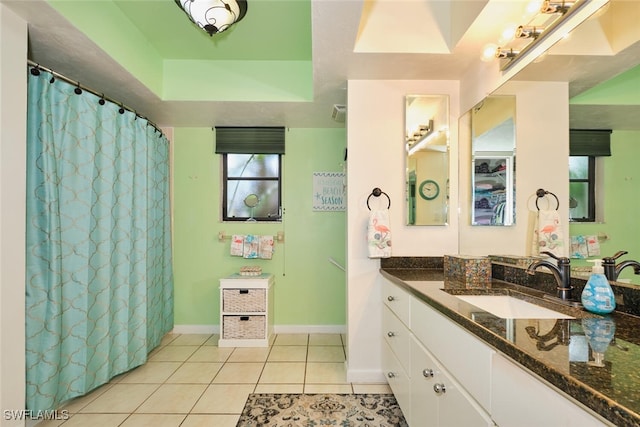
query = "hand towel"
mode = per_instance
[
  {"x": 379, "y": 234},
  {"x": 266, "y": 247},
  {"x": 237, "y": 244},
  {"x": 549, "y": 232},
  {"x": 251, "y": 246},
  {"x": 593, "y": 246},
  {"x": 579, "y": 247}
]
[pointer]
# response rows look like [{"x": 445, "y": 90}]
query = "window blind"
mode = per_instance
[
  {"x": 249, "y": 140},
  {"x": 589, "y": 142}
]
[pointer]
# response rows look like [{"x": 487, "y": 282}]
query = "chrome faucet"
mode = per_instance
[
  {"x": 612, "y": 271},
  {"x": 562, "y": 273}
]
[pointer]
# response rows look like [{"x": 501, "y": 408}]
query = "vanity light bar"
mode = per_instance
[{"x": 420, "y": 145}]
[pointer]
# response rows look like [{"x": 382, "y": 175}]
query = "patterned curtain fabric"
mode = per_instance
[{"x": 99, "y": 276}]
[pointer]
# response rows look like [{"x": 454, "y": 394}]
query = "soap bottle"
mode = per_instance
[
  {"x": 597, "y": 295},
  {"x": 599, "y": 333}
]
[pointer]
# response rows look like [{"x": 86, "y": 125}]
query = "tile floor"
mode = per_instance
[{"x": 189, "y": 381}]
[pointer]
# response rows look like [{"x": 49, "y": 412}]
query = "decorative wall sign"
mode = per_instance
[{"x": 329, "y": 191}]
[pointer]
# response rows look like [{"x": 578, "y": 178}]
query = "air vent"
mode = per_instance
[{"x": 339, "y": 113}]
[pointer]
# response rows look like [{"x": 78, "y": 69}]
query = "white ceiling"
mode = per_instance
[{"x": 351, "y": 39}]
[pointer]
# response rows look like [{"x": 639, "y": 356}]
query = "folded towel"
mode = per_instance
[
  {"x": 379, "y": 234},
  {"x": 579, "y": 247},
  {"x": 266, "y": 247},
  {"x": 549, "y": 233},
  {"x": 593, "y": 245},
  {"x": 237, "y": 244},
  {"x": 251, "y": 246}
]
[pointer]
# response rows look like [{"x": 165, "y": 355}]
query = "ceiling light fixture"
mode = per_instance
[{"x": 214, "y": 16}]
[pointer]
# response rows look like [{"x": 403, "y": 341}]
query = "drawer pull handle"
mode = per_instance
[
  {"x": 439, "y": 388},
  {"x": 244, "y": 318},
  {"x": 391, "y": 334},
  {"x": 391, "y": 375},
  {"x": 427, "y": 373},
  {"x": 244, "y": 291},
  {"x": 390, "y": 298}
]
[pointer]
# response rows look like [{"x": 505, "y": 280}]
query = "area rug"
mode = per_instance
[{"x": 312, "y": 410}]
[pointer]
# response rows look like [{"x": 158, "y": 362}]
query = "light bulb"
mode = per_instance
[
  {"x": 489, "y": 52},
  {"x": 508, "y": 34}
]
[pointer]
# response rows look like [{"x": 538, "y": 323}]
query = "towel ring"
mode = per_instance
[
  {"x": 376, "y": 192},
  {"x": 540, "y": 193}
]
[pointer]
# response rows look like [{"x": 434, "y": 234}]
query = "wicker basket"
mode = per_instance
[
  {"x": 243, "y": 327},
  {"x": 243, "y": 300}
]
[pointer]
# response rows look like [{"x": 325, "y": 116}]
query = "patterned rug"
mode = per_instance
[{"x": 311, "y": 410}]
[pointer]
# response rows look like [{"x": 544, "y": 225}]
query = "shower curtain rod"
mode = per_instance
[{"x": 96, "y": 93}]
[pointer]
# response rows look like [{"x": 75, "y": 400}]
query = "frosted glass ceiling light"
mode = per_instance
[{"x": 214, "y": 16}]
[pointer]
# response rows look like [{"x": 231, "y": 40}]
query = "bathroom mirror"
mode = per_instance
[
  {"x": 493, "y": 149},
  {"x": 427, "y": 159}
]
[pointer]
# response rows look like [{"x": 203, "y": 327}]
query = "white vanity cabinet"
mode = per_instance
[
  {"x": 537, "y": 404},
  {"x": 436, "y": 398},
  {"x": 246, "y": 311}
]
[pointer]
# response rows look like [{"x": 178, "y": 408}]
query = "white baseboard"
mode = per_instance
[
  {"x": 361, "y": 376},
  {"x": 278, "y": 329}
]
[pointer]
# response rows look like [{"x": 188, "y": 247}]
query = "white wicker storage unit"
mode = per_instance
[{"x": 246, "y": 310}]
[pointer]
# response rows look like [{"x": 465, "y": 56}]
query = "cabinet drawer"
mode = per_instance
[
  {"x": 398, "y": 337},
  {"x": 244, "y": 300},
  {"x": 398, "y": 380},
  {"x": 243, "y": 327},
  {"x": 398, "y": 300},
  {"x": 466, "y": 357}
]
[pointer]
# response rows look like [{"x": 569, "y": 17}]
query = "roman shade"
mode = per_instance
[
  {"x": 249, "y": 140},
  {"x": 589, "y": 142}
]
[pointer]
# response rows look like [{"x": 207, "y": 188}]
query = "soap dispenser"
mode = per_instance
[
  {"x": 597, "y": 295},
  {"x": 599, "y": 333}
]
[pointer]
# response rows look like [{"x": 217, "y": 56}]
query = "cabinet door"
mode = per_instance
[
  {"x": 521, "y": 400},
  {"x": 437, "y": 399},
  {"x": 398, "y": 380}
]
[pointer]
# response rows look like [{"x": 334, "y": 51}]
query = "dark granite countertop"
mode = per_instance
[{"x": 560, "y": 351}]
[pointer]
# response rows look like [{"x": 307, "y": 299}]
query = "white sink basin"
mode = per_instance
[{"x": 507, "y": 307}]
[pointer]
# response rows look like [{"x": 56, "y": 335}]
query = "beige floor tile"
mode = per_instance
[
  {"x": 211, "y": 354},
  {"x": 150, "y": 372},
  {"x": 174, "y": 353},
  {"x": 211, "y": 421},
  {"x": 213, "y": 340},
  {"x": 223, "y": 399},
  {"x": 154, "y": 420},
  {"x": 168, "y": 338},
  {"x": 239, "y": 373},
  {"x": 173, "y": 398},
  {"x": 195, "y": 373},
  {"x": 279, "y": 388},
  {"x": 47, "y": 423},
  {"x": 372, "y": 388},
  {"x": 249, "y": 354},
  {"x": 120, "y": 398},
  {"x": 326, "y": 373},
  {"x": 288, "y": 353},
  {"x": 75, "y": 405},
  {"x": 328, "y": 388},
  {"x": 191, "y": 339},
  {"x": 102, "y": 420},
  {"x": 283, "y": 373},
  {"x": 325, "y": 339},
  {"x": 325, "y": 353},
  {"x": 291, "y": 339}
]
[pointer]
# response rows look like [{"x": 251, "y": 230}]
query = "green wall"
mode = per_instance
[
  {"x": 309, "y": 290},
  {"x": 621, "y": 202}
]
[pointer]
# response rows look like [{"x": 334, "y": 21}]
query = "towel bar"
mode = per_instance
[
  {"x": 376, "y": 192},
  {"x": 540, "y": 193}
]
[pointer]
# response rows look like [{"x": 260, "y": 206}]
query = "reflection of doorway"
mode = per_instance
[{"x": 411, "y": 188}]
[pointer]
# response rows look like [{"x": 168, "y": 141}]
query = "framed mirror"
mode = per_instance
[
  {"x": 493, "y": 158},
  {"x": 427, "y": 159}
]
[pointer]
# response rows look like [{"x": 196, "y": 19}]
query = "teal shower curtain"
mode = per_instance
[{"x": 99, "y": 277}]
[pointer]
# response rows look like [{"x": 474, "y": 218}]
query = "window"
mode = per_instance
[
  {"x": 251, "y": 172},
  {"x": 585, "y": 172},
  {"x": 246, "y": 175},
  {"x": 582, "y": 174}
]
